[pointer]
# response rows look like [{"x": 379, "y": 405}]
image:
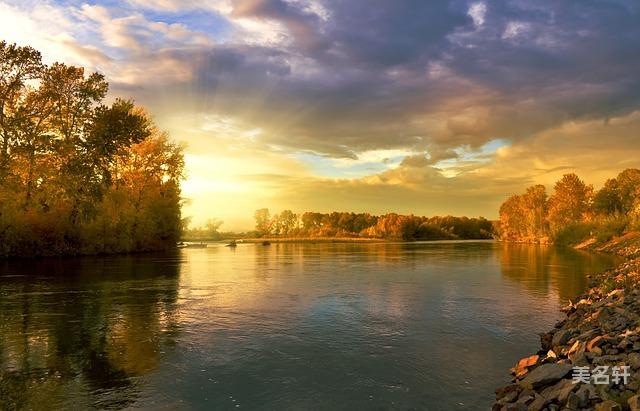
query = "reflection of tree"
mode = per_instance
[
  {"x": 81, "y": 335},
  {"x": 546, "y": 268}
]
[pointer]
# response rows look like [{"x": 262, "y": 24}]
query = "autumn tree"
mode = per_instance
[
  {"x": 263, "y": 221},
  {"x": 535, "y": 208},
  {"x": 18, "y": 65},
  {"x": 286, "y": 222},
  {"x": 77, "y": 176},
  {"x": 513, "y": 219},
  {"x": 570, "y": 203}
]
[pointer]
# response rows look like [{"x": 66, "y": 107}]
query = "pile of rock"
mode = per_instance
[{"x": 601, "y": 329}]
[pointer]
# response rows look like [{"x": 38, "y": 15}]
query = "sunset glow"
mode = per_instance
[{"x": 426, "y": 108}]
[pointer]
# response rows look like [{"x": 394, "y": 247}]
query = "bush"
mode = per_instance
[
  {"x": 610, "y": 226},
  {"x": 574, "y": 233}
]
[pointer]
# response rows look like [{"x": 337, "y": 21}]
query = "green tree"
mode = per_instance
[
  {"x": 571, "y": 202},
  {"x": 607, "y": 200}
]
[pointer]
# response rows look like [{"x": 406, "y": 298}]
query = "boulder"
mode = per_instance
[{"x": 545, "y": 374}]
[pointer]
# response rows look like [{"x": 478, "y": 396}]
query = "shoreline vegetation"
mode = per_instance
[
  {"x": 602, "y": 326},
  {"x": 347, "y": 226},
  {"x": 77, "y": 176}
]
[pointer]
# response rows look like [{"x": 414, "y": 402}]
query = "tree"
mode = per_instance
[
  {"x": 513, "y": 219},
  {"x": 287, "y": 222},
  {"x": 18, "y": 65},
  {"x": 77, "y": 176},
  {"x": 535, "y": 208},
  {"x": 607, "y": 200},
  {"x": 571, "y": 202},
  {"x": 628, "y": 182},
  {"x": 263, "y": 221}
]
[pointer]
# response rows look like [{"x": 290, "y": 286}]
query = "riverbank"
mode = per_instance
[{"x": 601, "y": 329}]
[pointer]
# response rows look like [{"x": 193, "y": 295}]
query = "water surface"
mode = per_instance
[{"x": 431, "y": 326}]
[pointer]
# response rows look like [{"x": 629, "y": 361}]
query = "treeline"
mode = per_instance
[
  {"x": 388, "y": 226},
  {"x": 78, "y": 176},
  {"x": 574, "y": 211}
]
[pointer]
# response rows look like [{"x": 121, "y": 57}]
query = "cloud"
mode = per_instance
[{"x": 339, "y": 80}]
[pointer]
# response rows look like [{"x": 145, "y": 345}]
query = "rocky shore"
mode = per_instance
[{"x": 600, "y": 335}]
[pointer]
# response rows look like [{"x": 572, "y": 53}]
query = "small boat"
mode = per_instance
[
  {"x": 266, "y": 243},
  {"x": 232, "y": 244}
]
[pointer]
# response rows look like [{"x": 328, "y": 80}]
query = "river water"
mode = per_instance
[{"x": 431, "y": 326}]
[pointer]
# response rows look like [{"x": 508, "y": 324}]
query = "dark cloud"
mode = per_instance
[{"x": 375, "y": 74}]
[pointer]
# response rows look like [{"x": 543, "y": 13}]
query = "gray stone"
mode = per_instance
[
  {"x": 561, "y": 337},
  {"x": 515, "y": 407},
  {"x": 545, "y": 374},
  {"x": 585, "y": 393},
  {"x": 559, "y": 392},
  {"x": 537, "y": 404},
  {"x": 573, "y": 401}
]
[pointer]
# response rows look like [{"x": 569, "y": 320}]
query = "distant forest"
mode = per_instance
[
  {"x": 354, "y": 225},
  {"x": 574, "y": 212},
  {"x": 78, "y": 176},
  {"x": 388, "y": 226}
]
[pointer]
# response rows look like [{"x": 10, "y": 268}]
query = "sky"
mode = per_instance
[{"x": 426, "y": 107}]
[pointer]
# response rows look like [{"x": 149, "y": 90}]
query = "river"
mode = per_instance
[{"x": 431, "y": 326}]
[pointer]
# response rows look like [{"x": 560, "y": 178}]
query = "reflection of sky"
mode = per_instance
[{"x": 291, "y": 326}]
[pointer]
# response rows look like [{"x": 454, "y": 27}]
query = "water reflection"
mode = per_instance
[
  {"x": 546, "y": 269},
  {"x": 76, "y": 333},
  {"x": 289, "y": 326}
]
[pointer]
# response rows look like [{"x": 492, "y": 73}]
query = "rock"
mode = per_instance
[
  {"x": 585, "y": 393},
  {"x": 595, "y": 342},
  {"x": 509, "y": 397},
  {"x": 609, "y": 359},
  {"x": 502, "y": 391},
  {"x": 559, "y": 392},
  {"x": 521, "y": 368},
  {"x": 634, "y": 403},
  {"x": 537, "y": 404},
  {"x": 545, "y": 374},
  {"x": 608, "y": 406},
  {"x": 579, "y": 360},
  {"x": 515, "y": 407},
  {"x": 560, "y": 338},
  {"x": 573, "y": 401},
  {"x": 576, "y": 351},
  {"x": 634, "y": 360},
  {"x": 545, "y": 340}
]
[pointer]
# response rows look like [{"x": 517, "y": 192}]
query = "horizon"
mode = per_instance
[{"x": 444, "y": 108}]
